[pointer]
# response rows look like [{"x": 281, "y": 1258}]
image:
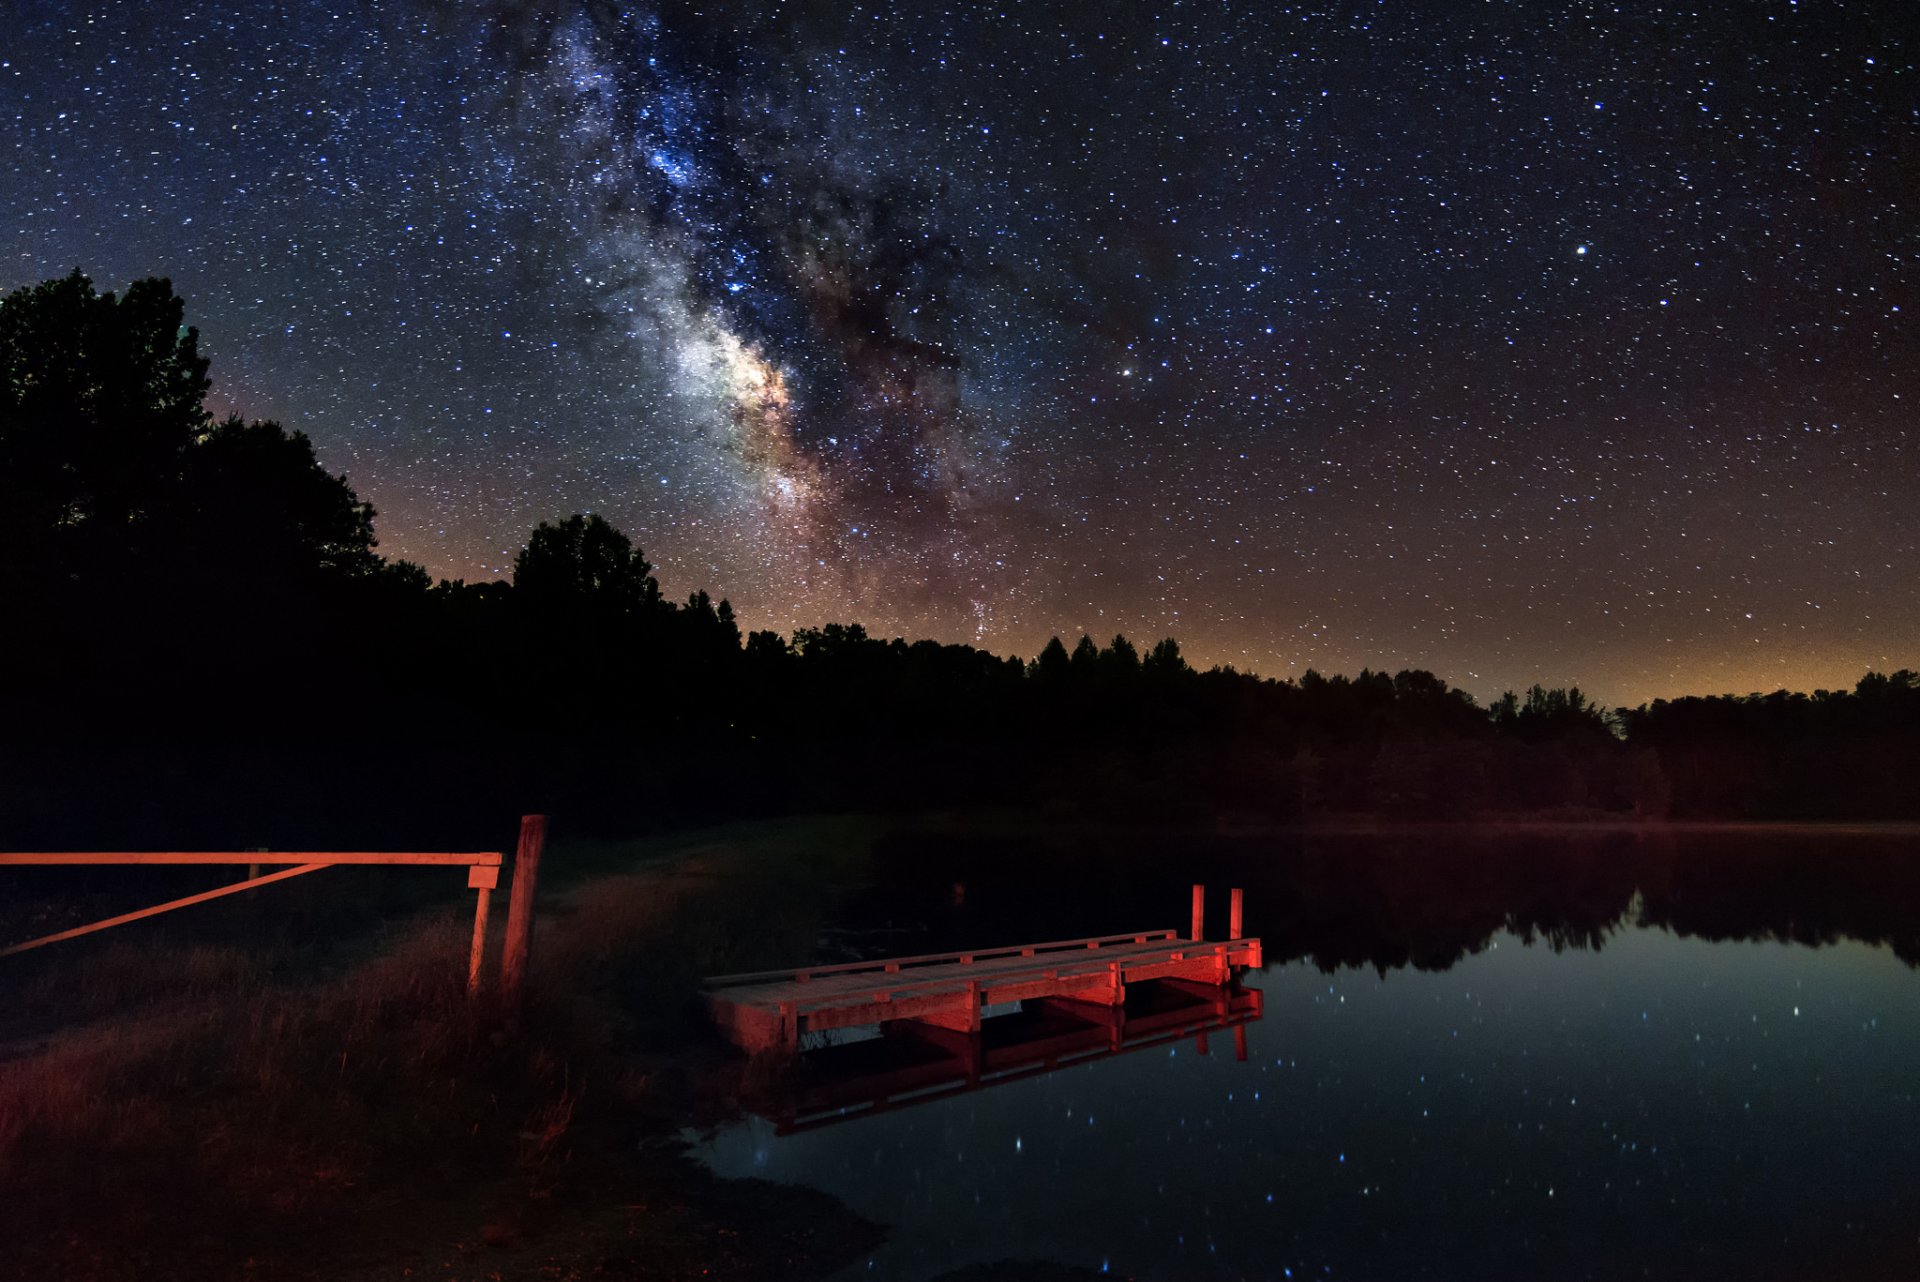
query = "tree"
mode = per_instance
[
  {"x": 709, "y": 629},
  {"x": 100, "y": 399},
  {"x": 1165, "y": 660},
  {"x": 260, "y": 501},
  {"x": 1120, "y": 660},
  {"x": 1052, "y": 665},
  {"x": 114, "y": 479},
  {"x": 1643, "y": 784},
  {"x": 583, "y": 563}
]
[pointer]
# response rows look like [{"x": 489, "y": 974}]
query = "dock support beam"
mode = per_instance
[
  {"x": 789, "y": 1027},
  {"x": 1199, "y": 911},
  {"x": 1233, "y": 914}
]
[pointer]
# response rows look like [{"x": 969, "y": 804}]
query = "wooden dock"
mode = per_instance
[{"x": 774, "y": 1009}]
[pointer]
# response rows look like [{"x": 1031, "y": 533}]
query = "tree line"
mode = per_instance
[{"x": 207, "y": 643}]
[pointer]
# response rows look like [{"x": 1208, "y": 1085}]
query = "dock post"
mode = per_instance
[
  {"x": 789, "y": 1027},
  {"x": 973, "y": 1006},
  {"x": 1233, "y": 914},
  {"x": 1199, "y": 910},
  {"x": 526, "y": 880}
]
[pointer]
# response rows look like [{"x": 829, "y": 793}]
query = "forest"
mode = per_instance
[{"x": 205, "y": 646}]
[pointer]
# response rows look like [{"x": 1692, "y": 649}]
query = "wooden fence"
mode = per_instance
[{"x": 483, "y": 876}]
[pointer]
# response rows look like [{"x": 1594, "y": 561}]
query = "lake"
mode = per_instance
[{"x": 1598, "y": 1055}]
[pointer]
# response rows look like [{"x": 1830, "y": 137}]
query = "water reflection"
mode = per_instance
[
  {"x": 1601, "y": 1058},
  {"x": 1416, "y": 900},
  {"x": 911, "y": 1064}
]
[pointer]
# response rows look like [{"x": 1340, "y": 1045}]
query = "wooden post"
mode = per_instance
[
  {"x": 973, "y": 1005},
  {"x": 1199, "y": 909},
  {"x": 483, "y": 880},
  {"x": 478, "y": 954},
  {"x": 1233, "y": 914},
  {"x": 518, "y": 951}
]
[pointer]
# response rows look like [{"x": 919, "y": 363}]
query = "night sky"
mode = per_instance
[{"x": 1519, "y": 341}]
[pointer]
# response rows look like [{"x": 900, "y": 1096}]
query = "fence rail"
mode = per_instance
[
  {"x": 483, "y": 875},
  {"x": 76, "y": 858}
]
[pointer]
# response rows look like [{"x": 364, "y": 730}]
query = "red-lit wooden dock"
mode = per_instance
[{"x": 775, "y": 1009}]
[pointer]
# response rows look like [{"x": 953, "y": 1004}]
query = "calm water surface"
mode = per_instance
[{"x": 1602, "y": 1060}]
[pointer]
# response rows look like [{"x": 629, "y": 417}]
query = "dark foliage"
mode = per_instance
[
  {"x": 210, "y": 650},
  {"x": 1782, "y": 755}
]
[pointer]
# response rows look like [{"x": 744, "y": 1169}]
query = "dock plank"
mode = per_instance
[{"x": 769, "y": 1009}]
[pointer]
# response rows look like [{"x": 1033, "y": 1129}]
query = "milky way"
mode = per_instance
[{"x": 1517, "y": 341}]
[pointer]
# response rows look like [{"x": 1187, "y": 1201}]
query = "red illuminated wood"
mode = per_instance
[
  {"x": 1233, "y": 914},
  {"x": 1199, "y": 912},
  {"x": 477, "y": 955},
  {"x": 836, "y": 1095},
  {"x": 774, "y": 1009},
  {"x": 483, "y": 873},
  {"x": 969, "y": 957},
  {"x": 232, "y": 888},
  {"x": 517, "y": 953},
  {"x": 76, "y": 858}
]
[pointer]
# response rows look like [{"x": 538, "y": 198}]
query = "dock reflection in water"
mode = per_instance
[{"x": 910, "y": 1063}]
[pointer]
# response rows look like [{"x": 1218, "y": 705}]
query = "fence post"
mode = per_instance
[
  {"x": 1199, "y": 909},
  {"x": 515, "y": 955},
  {"x": 483, "y": 880},
  {"x": 1233, "y": 915}
]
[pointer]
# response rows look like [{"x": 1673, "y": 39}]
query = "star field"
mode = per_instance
[{"x": 1516, "y": 341}]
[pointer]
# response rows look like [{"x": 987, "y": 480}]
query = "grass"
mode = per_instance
[{"x": 205, "y": 1109}]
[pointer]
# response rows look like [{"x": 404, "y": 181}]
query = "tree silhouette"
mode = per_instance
[
  {"x": 1164, "y": 660},
  {"x": 100, "y": 399},
  {"x": 583, "y": 564},
  {"x": 188, "y": 582},
  {"x": 1120, "y": 661},
  {"x": 260, "y": 500},
  {"x": 1051, "y": 666}
]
